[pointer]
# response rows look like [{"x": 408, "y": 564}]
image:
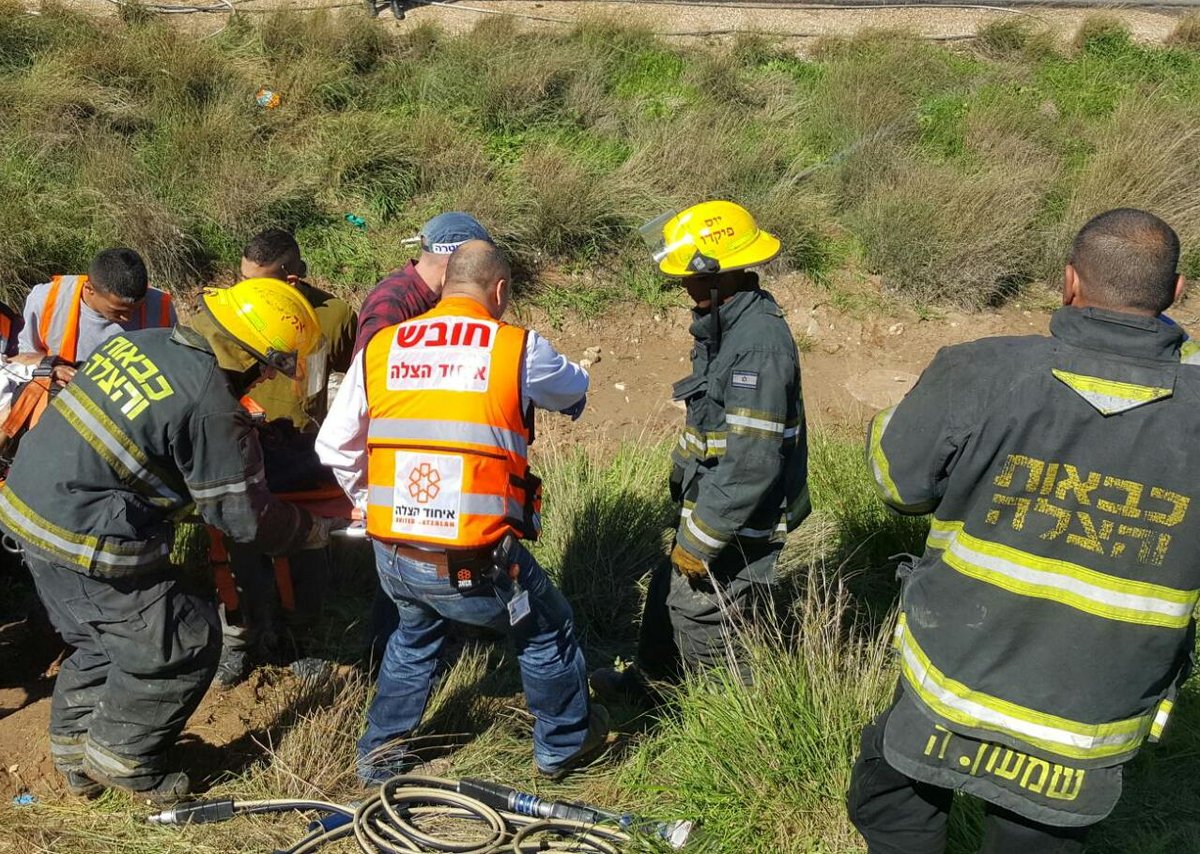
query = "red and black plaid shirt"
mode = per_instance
[{"x": 400, "y": 295}]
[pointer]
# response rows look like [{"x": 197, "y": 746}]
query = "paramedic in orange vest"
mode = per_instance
[
  {"x": 428, "y": 435},
  {"x": 69, "y": 316}
]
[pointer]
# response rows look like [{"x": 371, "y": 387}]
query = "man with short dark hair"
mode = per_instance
[
  {"x": 1045, "y": 631},
  {"x": 275, "y": 254},
  {"x": 429, "y": 437},
  {"x": 69, "y": 316}
]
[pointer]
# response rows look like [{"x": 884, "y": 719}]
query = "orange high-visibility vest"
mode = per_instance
[
  {"x": 6, "y": 325},
  {"x": 447, "y": 443},
  {"x": 59, "y": 325}
]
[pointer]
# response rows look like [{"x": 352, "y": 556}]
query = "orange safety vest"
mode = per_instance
[
  {"x": 447, "y": 443},
  {"x": 63, "y": 304}
]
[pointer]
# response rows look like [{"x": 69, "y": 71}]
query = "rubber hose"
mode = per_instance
[{"x": 385, "y": 824}]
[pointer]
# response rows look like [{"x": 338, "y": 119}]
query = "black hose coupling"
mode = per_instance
[{"x": 196, "y": 812}]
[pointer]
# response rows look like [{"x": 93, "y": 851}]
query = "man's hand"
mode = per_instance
[
  {"x": 318, "y": 534},
  {"x": 62, "y": 373},
  {"x": 688, "y": 565},
  {"x": 576, "y": 409}
]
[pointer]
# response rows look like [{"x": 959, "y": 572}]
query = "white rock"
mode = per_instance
[
  {"x": 619, "y": 386},
  {"x": 896, "y": 329},
  {"x": 879, "y": 387}
]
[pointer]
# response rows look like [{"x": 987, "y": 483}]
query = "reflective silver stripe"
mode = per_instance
[
  {"x": 408, "y": 429},
  {"x": 211, "y": 492},
  {"x": 109, "y": 763},
  {"x": 988, "y": 711},
  {"x": 62, "y": 311},
  {"x": 85, "y": 554},
  {"x": 66, "y": 747},
  {"x": 26, "y": 525},
  {"x": 695, "y": 531},
  {"x": 756, "y": 423},
  {"x": 1060, "y": 581},
  {"x": 473, "y": 503},
  {"x": 135, "y": 466},
  {"x": 781, "y": 528},
  {"x": 791, "y": 432}
]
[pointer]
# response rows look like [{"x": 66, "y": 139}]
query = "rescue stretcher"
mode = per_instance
[{"x": 328, "y": 501}]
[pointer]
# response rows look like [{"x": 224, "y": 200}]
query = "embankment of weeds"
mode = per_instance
[{"x": 954, "y": 173}]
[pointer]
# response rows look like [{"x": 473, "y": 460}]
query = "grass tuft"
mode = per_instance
[{"x": 1187, "y": 32}]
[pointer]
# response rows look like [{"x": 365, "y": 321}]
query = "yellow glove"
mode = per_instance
[{"x": 688, "y": 565}]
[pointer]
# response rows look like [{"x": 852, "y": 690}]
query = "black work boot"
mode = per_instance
[
  {"x": 629, "y": 687},
  {"x": 233, "y": 668},
  {"x": 81, "y": 785},
  {"x": 167, "y": 789},
  {"x": 597, "y": 737}
]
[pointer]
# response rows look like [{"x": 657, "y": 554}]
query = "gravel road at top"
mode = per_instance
[{"x": 688, "y": 23}]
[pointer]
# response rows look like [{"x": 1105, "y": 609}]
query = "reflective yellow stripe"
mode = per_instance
[
  {"x": 780, "y": 529},
  {"x": 114, "y": 447},
  {"x": 1161, "y": 715},
  {"x": 1189, "y": 352},
  {"x": 703, "y": 445},
  {"x": 1111, "y": 396},
  {"x": 941, "y": 533},
  {"x": 960, "y": 704},
  {"x": 1059, "y": 581},
  {"x": 879, "y": 462}
]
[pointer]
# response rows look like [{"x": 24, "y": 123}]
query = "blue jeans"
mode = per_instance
[{"x": 553, "y": 670}]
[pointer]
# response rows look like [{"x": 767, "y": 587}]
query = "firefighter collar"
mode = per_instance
[
  {"x": 730, "y": 313},
  {"x": 1117, "y": 333}
]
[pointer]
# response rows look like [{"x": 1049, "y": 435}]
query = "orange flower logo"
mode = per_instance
[{"x": 423, "y": 483}]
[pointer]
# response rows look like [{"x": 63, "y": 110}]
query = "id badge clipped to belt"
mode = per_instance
[{"x": 505, "y": 574}]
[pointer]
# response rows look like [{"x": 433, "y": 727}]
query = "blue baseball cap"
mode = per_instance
[{"x": 447, "y": 231}]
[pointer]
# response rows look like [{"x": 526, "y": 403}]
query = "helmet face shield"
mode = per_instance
[
  {"x": 314, "y": 370},
  {"x": 654, "y": 236}
]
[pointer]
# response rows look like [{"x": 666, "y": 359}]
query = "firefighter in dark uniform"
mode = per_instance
[
  {"x": 150, "y": 425},
  {"x": 740, "y": 469},
  {"x": 1045, "y": 630}
]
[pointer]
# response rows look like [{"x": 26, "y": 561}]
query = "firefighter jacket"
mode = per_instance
[
  {"x": 149, "y": 425},
  {"x": 1051, "y": 612},
  {"x": 741, "y": 466},
  {"x": 448, "y": 438}
]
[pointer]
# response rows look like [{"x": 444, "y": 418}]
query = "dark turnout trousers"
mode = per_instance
[
  {"x": 694, "y": 625},
  {"x": 264, "y": 619},
  {"x": 145, "y": 652}
]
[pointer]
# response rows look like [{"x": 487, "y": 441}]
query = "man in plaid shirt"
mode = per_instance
[
  {"x": 414, "y": 289},
  {"x": 402, "y": 295}
]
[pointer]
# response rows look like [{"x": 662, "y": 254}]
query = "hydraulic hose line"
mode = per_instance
[{"x": 412, "y": 813}]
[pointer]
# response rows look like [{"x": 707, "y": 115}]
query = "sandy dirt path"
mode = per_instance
[{"x": 687, "y": 23}]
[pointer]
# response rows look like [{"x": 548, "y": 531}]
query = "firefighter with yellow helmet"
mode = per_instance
[
  {"x": 740, "y": 467},
  {"x": 150, "y": 426}
]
